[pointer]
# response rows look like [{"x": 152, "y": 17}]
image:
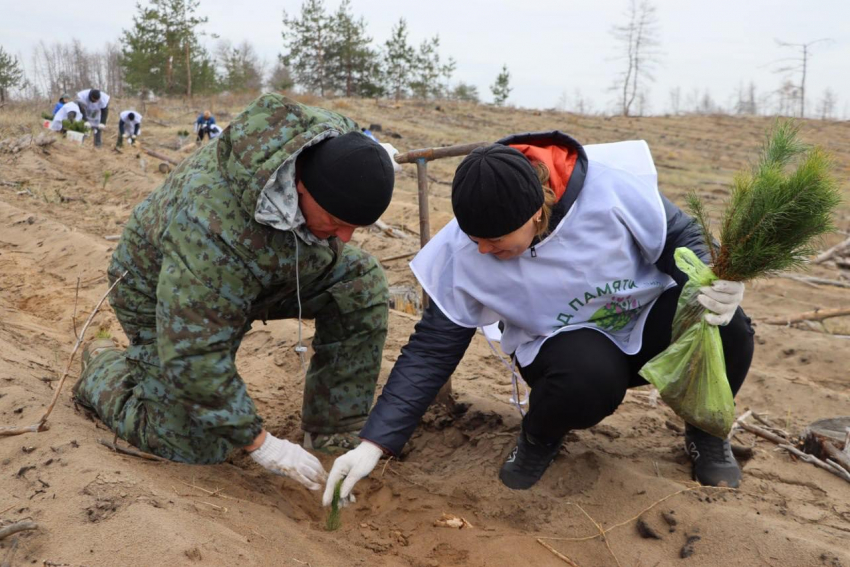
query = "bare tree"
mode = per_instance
[
  {"x": 746, "y": 100},
  {"x": 639, "y": 40},
  {"x": 788, "y": 99},
  {"x": 798, "y": 64},
  {"x": 826, "y": 107}
]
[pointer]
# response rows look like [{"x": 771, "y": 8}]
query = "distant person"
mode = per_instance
[
  {"x": 63, "y": 100},
  {"x": 68, "y": 111},
  {"x": 95, "y": 106},
  {"x": 129, "y": 124},
  {"x": 203, "y": 125},
  {"x": 215, "y": 131}
]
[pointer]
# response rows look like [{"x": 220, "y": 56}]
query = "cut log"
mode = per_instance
[{"x": 158, "y": 155}]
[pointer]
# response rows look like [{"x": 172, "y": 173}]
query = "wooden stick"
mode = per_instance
[
  {"x": 763, "y": 433},
  {"x": 399, "y": 257},
  {"x": 158, "y": 155},
  {"x": 809, "y": 316},
  {"x": 41, "y": 425},
  {"x": 131, "y": 451},
  {"x": 823, "y": 257},
  {"x": 836, "y": 455},
  {"x": 557, "y": 553},
  {"x": 814, "y": 280},
  {"x": 737, "y": 422},
  {"x": 17, "y": 527},
  {"x": 834, "y": 469},
  {"x": 429, "y": 154}
]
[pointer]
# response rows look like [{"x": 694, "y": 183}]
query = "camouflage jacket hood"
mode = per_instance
[{"x": 257, "y": 155}]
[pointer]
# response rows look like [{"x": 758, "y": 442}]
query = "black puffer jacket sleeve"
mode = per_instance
[
  {"x": 428, "y": 360},
  {"x": 682, "y": 232}
]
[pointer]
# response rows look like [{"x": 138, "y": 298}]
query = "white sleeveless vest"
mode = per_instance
[{"x": 596, "y": 270}]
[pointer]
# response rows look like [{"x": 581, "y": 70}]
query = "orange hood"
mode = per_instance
[{"x": 559, "y": 160}]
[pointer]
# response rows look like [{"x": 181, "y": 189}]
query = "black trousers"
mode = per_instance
[
  {"x": 202, "y": 131},
  {"x": 581, "y": 377}
]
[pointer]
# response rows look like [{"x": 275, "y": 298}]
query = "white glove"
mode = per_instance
[
  {"x": 722, "y": 298},
  {"x": 101, "y": 126},
  {"x": 391, "y": 151},
  {"x": 353, "y": 466},
  {"x": 288, "y": 459},
  {"x": 87, "y": 126}
]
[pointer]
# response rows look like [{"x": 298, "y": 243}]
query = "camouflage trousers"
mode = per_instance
[{"x": 349, "y": 306}]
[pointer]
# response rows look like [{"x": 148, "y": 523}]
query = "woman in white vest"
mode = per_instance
[{"x": 570, "y": 250}]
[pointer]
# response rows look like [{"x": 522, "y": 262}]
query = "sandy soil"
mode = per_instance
[{"x": 95, "y": 507}]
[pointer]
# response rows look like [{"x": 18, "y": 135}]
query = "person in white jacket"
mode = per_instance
[
  {"x": 570, "y": 250},
  {"x": 95, "y": 106},
  {"x": 69, "y": 111},
  {"x": 129, "y": 125}
]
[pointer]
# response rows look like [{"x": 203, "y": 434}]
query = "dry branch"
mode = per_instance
[
  {"x": 158, "y": 155},
  {"x": 389, "y": 230},
  {"x": 814, "y": 280},
  {"x": 837, "y": 249},
  {"x": 819, "y": 315},
  {"x": 763, "y": 433},
  {"x": 399, "y": 256},
  {"x": 834, "y": 469},
  {"x": 41, "y": 425},
  {"x": 17, "y": 527},
  {"x": 131, "y": 451},
  {"x": 557, "y": 553}
]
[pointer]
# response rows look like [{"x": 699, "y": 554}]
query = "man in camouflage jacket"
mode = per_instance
[{"x": 250, "y": 227}]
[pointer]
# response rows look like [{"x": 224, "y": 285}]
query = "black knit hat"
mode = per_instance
[
  {"x": 94, "y": 95},
  {"x": 350, "y": 176},
  {"x": 495, "y": 191}
]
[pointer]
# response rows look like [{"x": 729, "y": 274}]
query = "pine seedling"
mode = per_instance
[
  {"x": 103, "y": 334},
  {"x": 334, "y": 521},
  {"x": 106, "y": 176},
  {"x": 777, "y": 212},
  {"x": 74, "y": 126}
]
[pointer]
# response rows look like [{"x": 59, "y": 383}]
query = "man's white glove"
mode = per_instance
[
  {"x": 353, "y": 466},
  {"x": 722, "y": 298},
  {"x": 391, "y": 151},
  {"x": 288, "y": 459},
  {"x": 101, "y": 126},
  {"x": 87, "y": 126}
]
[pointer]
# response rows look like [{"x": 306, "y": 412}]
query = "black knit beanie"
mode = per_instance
[
  {"x": 495, "y": 191},
  {"x": 350, "y": 176}
]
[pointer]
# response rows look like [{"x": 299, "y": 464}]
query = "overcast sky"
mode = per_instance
[{"x": 551, "y": 47}]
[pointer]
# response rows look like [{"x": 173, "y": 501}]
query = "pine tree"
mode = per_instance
[
  {"x": 399, "y": 58},
  {"x": 353, "y": 64},
  {"x": 161, "y": 52},
  {"x": 280, "y": 78},
  {"x": 309, "y": 41},
  {"x": 465, "y": 92},
  {"x": 427, "y": 70},
  {"x": 501, "y": 89},
  {"x": 241, "y": 69},
  {"x": 10, "y": 73}
]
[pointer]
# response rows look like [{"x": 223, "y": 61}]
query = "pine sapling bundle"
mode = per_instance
[{"x": 772, "y": 222}]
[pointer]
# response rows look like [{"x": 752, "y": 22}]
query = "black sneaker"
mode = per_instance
[
  {"x": 527, "y": 462},
  {"x": 714, "y": 464}
]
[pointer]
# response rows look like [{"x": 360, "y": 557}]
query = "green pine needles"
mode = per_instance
[
  {"x": 74, "y": 126},
  {"x": 334, "y": 521},
  {"x": 777, "y": 211}
]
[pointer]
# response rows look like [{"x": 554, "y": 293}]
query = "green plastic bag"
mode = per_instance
[{"x": 691, "y": 373}]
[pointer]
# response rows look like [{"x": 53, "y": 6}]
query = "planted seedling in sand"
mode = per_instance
[
  {"x": 334, "y": 521},
  {"x": 106, "y": 176}
]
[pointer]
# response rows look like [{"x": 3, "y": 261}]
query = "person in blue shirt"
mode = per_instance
[
  {"x": 62, "y": 101},
  {"x": 203, "y": 125}
]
